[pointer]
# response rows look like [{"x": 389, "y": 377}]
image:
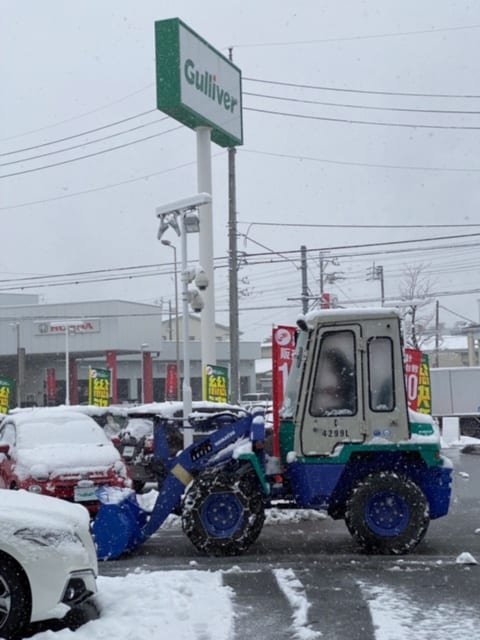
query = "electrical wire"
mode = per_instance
[
  {"x": 366, "y": 122},
  {"x": 362, "y": 91},
  {"x": 361, "y": 106},
  {"x": 77, "y": 117},
  {"x": 83, "y": 133},
  {"x": 370, "y": 165},
  {"x": 90, "y": 155},
  {"x": 82, "y": 144}
]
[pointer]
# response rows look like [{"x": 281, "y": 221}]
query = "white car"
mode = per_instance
[{"x": 48, "y": 562}]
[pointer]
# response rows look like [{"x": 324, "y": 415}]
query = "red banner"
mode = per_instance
[
  {"x": 413, "y": 362},
  {"x": 51, "y": 386},
  {"x": 283, "y": 347},
  {"x": 171, "y": 382}
]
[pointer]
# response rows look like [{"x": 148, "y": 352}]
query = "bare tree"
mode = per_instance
[{"x": 416, "y": 294}]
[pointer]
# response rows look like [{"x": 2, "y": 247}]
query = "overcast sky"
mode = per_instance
[{"x": 69, "y": 68}]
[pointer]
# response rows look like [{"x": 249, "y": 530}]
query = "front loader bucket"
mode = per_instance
[{"x": 118, "y": 525}]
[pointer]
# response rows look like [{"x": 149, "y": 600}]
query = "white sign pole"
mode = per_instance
[{"x": 204, "y": 178}]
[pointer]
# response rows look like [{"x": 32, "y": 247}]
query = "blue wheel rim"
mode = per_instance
[
  {"x": 222, "y": 515},
  {"x": 387, "y": 514}
]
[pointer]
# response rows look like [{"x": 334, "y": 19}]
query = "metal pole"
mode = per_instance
[
  {"x": 204, "y": 179},
  {"x": 67, "y": 366},
  {"x": 233, "y": 282},
  {"x": 186, "y": 388},
  {"x": 142, "y": 376},
  {"x": 303, "y": 253},
  {"x": 177, "y": 332}
]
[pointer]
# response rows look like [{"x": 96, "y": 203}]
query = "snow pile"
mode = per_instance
[{"x": 176, "y": 604}]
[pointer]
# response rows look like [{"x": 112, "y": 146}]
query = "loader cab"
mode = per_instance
[{"x": 347, "y": 384}]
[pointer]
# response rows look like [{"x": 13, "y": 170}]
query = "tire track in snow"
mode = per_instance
[
  {"x": 297, "y": 597},
  {"x": 397, "y": 616}
]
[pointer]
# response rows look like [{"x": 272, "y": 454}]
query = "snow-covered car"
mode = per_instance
[
  {"x": 64, "y": 454},
  {"x": 48, "y": 563}
]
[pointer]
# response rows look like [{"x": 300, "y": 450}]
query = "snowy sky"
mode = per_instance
[{"x": 72, "y": 68}]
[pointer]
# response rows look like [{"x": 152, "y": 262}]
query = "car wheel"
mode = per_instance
[
  {"x": 387, "y": 514},
  {"x": 14, "y": 599},
  {"x": 223, "y": 513}
]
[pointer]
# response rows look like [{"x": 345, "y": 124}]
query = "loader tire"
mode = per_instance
[
  {"x": 223, "y": 513},
  {"x": 387, "y": 514}
]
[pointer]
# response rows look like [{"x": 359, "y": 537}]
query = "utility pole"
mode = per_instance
[
  {"x": 305, "y": 296},
  {"x": 330, "y": 277},
  {"x": 233, "y": 276},
  {"x": 376, "y": 273},
  {"x": 437, "y": 333}
]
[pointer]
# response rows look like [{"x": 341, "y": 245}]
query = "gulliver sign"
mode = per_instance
[{"x": 196, "y": 84}]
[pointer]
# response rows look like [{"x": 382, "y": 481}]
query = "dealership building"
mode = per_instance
[{"x": 41, "y": 345}]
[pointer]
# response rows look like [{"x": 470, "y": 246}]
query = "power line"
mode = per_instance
[
  {"x": 356, "y": 226},
  {"x": 83, "y": 133},
  {"x": 83, "y": 144},
  {"x": 361, "y": 106},
  {"x": 362, "y": 91},
  {"x": 81, "y": 115},
  {"x": 90, "y": 155},
  {"x": 395, "y": 34},
  {"x": 366, "y": 122},
  {"x": 102, "y": 188},
  {"x": 349, "y": 163}
]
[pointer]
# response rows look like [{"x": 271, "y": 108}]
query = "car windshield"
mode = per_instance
[{"x": 59, "y": 432}]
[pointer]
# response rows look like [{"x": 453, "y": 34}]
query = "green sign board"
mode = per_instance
[
  {"x": 99, "y": 387},
  {"x": 196, "y": 84},
  {"x": 216, "y": 383},
  {"x": 6, "y": 392}
]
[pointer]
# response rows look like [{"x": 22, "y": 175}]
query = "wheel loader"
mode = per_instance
[{"x": 348, "y": 445}]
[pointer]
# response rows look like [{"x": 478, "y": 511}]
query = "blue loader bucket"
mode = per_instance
[{"x": 118, "y": 525}]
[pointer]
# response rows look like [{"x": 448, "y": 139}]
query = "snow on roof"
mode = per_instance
[
  {"x": 446, "y": 343},
  {"x": 263, "y": 365}
]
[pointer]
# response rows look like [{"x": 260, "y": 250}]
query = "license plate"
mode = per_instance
[
  {"x": 84, "y": 494},
  {"x": 128, "y": 451}
]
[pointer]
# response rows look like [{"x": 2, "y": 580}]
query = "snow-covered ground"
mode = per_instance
[{"x": 195, "y": 605}]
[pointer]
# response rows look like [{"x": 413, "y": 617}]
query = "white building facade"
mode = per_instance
[{"x": 42, "y": 344}]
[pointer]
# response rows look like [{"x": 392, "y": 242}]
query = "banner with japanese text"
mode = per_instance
[
  {"x": 216, "y": 383},
  {"x": 51, "y": 386},
  {"x": 424, "y": 396},
  {"x": 283, "y": 348},
  {"x": 413, "y": 361},
  {"x": 6, "y": 393},
  {"x": 171, "y": 382},
  {"x": 99, "y": 387}
]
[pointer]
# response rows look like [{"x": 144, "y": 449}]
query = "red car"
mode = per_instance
[{"x": 60, "y": 453}]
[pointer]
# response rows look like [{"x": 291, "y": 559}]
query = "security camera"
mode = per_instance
[
  {"x": 201, "y": 279},
  {"x": 184, "y": 205},
  {"x": 196, "y": 301}
]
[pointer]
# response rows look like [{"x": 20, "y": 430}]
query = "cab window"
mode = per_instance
[
  {"x": 380, "y": 374},
  {"x": 335, "y": 384}
]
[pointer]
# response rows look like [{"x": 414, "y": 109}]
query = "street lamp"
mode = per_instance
[
  {"x": 182, "y": 216},
  {"x": 167, "y": 243},
  {"x": 143, "y": 346},
  {"x": 67, "y": 325}
]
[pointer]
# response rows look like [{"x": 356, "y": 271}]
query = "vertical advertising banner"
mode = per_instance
[
  {"x": 413, "y": 361},
  {"x": 283, "y": 348},
  {"x": 6, "y": 393},
  {"x": 99, "y": 387},
  {"x": 171, "y": 378},
  {"x": 51, "y": 386},
  {"x": 424, "y": 396},
  {"x": 216, "y": 383}
]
